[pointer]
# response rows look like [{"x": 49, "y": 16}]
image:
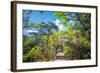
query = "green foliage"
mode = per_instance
[
  {"x": 76, "y": 39},
  {"x": 27, "y": 44},
  {"x": 70, "y": 33},
  {"x": 35, "y": 54},
  {"x": 67, "y": 51},
  {"x": 61, "y": 16}
]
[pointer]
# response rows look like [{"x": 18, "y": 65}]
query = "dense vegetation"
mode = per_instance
[{"x": 75, "y": 37}]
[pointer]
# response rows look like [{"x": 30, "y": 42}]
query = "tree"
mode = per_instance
[
  {"x": 26, "y": 18},
  {"x": 78, "y": 32}
]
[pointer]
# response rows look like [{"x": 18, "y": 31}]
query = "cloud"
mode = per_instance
[{"x": 58, "y": 23}]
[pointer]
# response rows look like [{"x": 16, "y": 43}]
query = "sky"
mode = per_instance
[
  {"x": 44, "y": 16},
  {"x": 37, "y": 16}
]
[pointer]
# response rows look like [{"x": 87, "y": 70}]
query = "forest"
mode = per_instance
[{"x": 44, "y": 31}]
